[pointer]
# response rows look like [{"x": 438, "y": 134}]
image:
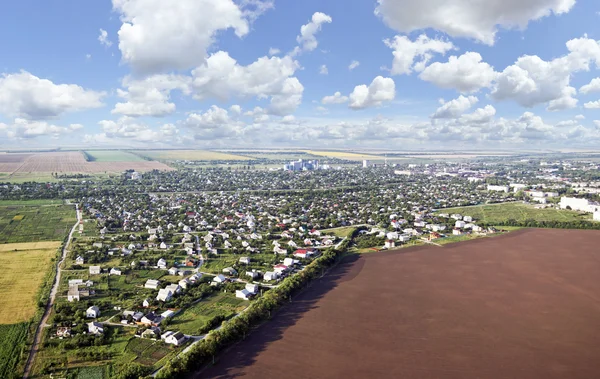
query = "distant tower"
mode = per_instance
[{"x": 365, "y": 163}]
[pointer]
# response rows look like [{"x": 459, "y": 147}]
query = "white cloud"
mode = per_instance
[
  {"x": 307, "y": 39},
  {"x": 157, "y": 35},
  {"x": 336, "y": 98},
  {"x": 274, "y": 51},
  {"x": 103, "y": 38},
  {"x": 531, "y": 80},
  {"x": 466, "y": 18},
  {"x": 466, "y": 73},
  {"x": 597, "y": 123},
  {"x": 150, "y": 96},
  {"x": 406, "y": 51},
  {"x": 27, "y": 96},
  {"x": 216, "y": 123},
  {"x": 563, "y": 124},
  {"x": 593, "y": 86},
  {"x": 353, "y": 65},
  {"x": 235, "y": 109},
  {"x": 380, "y": 90},
  {"x": 479, "y": 116},
  {"x": 131, "y": 129},
  {"x": 580, "y": 117},
  {"x": 27, "y": 129},
  {"x": 289, "y": 120},
  {"x": 323, "y": 70},
  {"x": 88, "y": 56},
  {"x": 222, "y": 77},
  {"x": 592, "y": 105},
  {"x": 454, "y": 108}
]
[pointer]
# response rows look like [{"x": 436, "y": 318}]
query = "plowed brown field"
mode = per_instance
[{"x": 523, "y": 305}]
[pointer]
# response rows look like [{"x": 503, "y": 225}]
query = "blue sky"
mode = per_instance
[{"x": 247, "y": 73}]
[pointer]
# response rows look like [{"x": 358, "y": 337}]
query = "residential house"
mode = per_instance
[
  {"x": 290, "y": 262},
  {"x": 270, "y": 275},
  {"x": 456, "y": 232},
  {"x": 219, "y": 279},
  {"x": 152, "y": 284},
  {"x": 163, "y": 245},
  {"x": 183, "y": 283},
  {"x": 390, "y": 244},
  {"x": 173, "y": 271},
  {"x": 162, "y": 264},
  {"x": 95, "y": 328},
  {"x": 304, "y": 253},
  {"x": 95, "y": 270},
  {"x": 151, "y": 319},
  {"x": 146, "y": 302},
  {"x": 252, "y": 274},
  {"x": 460, "y": 224},
  {"x": 245, "y": 260},
  {"x": 280, "y": 269},
  {"x": 468, "y": 219},
  {"x": 243, "y": 294},
  {"x": 115, "y": 271},
  {"x": 62, "y": 331},
  {"x": 173, "y": 288},
  {"x": 229, "y": 271},
  {"x": 164, "y": 295},
  {"x": 252, "y": 288},
  {"x": 92, "y": 312},
  {"x": 153, "y": 332},
  {"x": 79, "y": 260},
  {"x": 173, "y": 338},
  {"x": 196, "y": 277}
]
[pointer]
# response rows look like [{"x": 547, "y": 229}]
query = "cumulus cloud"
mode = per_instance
[
  {"x": 222, "y": 77},
  {"x": 28, "y": 129},
  {"x": 274, "y": 51},
  {"x": 323, "y": 70},
  {"x": 353, "y": 65},
  {"x": 336, "y": 98},
  {"x": 406, "y": 52},
  {"x": 580, "y": 117},
  {"x": 26, "y": 96},
  {"x": 479, "y": 116},
  {"x": 129, "y": 128},
  {"x": 531, "y": 80},
  {"x": 150, "y": 96},
  {"x": 379, "y": 91},
  {"x": 454, "y": 108},
  {"x": 157, "y": 36},
  {"x": 307, "y": 39},
  {"x": 466, "y": 18},
  {"x": 597, "y": 123},
  {"x": 103, "y": 38},
  {"x": 466, "y": 73},
  {"x": 593, "y": 86},
  {"x": 592, "y": 105},
  {"x": 215, "y": 123}
]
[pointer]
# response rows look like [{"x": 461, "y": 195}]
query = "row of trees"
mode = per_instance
[
  {"x": 260, "y": 310},
  {"x": 577, "y": 224}
]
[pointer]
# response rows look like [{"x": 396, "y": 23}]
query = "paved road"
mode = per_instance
[{"x": 38, "y": 332}]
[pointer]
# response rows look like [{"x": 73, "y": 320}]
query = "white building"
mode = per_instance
[
  {"x": 459, "y": 224},
  {"x": 365, "y": 163},
  {"x": 92, "y": 312},
  {"x": 243, "y": 294},
  {"x": 597, "y": 216},
  {"x": 152, "y": 284},
  {"x": 95, "y": 328},
  {"x": 164, "y": 295},
  {"x": 270, "y": 275},
  {"x": 583, "y": 205},
  {"x": 95, "y": 270},
  {"x": 497, "y": 188}
]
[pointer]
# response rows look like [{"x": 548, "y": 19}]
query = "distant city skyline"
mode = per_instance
[{"x": 395, "y": 75}]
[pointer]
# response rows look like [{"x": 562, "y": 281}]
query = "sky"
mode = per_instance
[{"x": 388, "y": 74}]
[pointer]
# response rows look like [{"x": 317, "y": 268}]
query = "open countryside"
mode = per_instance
[
  {"x": 498, "y": 213},
  {"x": 25, "y": 266},
  {"x": 486, "y": 308},
  {"x": 191, "y": 155},
  {"x": 112, "y": 156},
  {"x": 30, "y": 222}
]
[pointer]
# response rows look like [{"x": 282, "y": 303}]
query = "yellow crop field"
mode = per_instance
[
  {"x": 24, "y": 266},
  {"x": 192, "y": 155},
  {"x": 343, "y": 155}
]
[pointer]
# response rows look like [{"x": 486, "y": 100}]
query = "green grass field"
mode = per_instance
[
  {"x": 31, "y": 203},
  {"x": 518, "y": 211},
  {"x": 339, "y": 232},
  {"x": 191, "y": 155},
  {"x": 192, "y": 320},
  {"x": 25, "y": 223},
  {"x": 113, "y": 156},
  {"x": 13, "y": 340}
]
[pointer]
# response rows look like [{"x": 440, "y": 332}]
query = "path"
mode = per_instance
[{"x": 38, "y": 332}]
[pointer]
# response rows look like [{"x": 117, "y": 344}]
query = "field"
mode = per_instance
[
  {"x": 24, "y": 267},
  {"x": 343, "y": 155},
  {"x": 517, "y": 211},
  {"x": 40, "y": 166},
  {"x": 191, "y": 155},
  {"x": 341, "y": 232},
  {"x": 113, "y": 156},
  {"x": 522, "y": 305},
  {"x": 31, "y": 223},
  {"x": 13, "y": 340},
  {"x": 192, "y": 320}
]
